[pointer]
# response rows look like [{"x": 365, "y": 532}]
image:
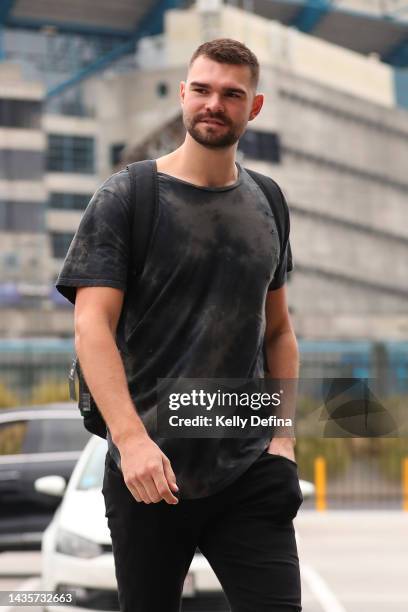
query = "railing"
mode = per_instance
[
  {"x": 348, "y": 472},
  {"x": 362, "y": 474}
]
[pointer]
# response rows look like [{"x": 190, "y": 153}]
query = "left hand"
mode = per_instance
[{"x": 282, "y": 446}]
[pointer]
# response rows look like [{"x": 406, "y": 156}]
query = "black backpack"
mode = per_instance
[{"x": 143, "y": 179}]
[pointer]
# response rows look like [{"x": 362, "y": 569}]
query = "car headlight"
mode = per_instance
[{"x": 69, "y": 543}]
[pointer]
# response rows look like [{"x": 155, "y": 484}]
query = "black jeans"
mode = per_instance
[{"x": 245, "y": 531}]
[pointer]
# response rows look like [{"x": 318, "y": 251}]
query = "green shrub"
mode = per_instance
[
  {"x": 50, "y": 391},
  {"x": 8, "y": 399},
  {"x": 336, "y": 451}
]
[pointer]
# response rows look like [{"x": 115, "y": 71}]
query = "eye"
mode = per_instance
[{"x": 232, "y": 94}]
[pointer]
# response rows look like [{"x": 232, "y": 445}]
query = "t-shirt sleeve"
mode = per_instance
[
  {"x": 285, "y": 264},
  {"x": 99, "y": 253}
]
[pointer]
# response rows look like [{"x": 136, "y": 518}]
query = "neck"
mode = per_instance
[{"x": 200, "y": 165}]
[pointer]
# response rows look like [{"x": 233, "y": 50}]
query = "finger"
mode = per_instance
[
  {"x": 169, "y": 474},
  {"x": 134, "y": 491},
  {"x": 138, "y": 491},
  {"x": 163, "y": 489},
  {"x": 151, "y": 489}
]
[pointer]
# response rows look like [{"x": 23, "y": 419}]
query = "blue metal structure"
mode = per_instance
[
  {"x": 352, "y": 28},
  {"x": 359, "y": 359},
  {"x": 94, "y": 67},
  {"x": 384, "y": 365},
  {"x": 67, "y": 27},
  {"x": 151, "y": 24},
  {"x": 355, "y": 28},
  {"x": 310, "y": 14},
  {"x": 401, "y": 86},
  {"x": 5, "y": 8},
  {"x": 398, "y": 55}
]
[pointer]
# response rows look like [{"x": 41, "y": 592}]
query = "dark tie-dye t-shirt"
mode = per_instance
[{"x": 198, "y": 309}]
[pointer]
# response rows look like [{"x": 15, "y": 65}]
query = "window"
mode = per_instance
[
  {"x": 20, "y": 113},
  {"x": 21, "y": 165},
  {"x": 12, "y": 436},
  {"x": 56, "y": 435},
  {"x": 116, "y": 153},
  {"x": 261, "y": 145},
  {"x": 71, "y": 154},
  {"x": 69, "y": 201},
  {"x": 162, "y": 89},
  {"x": 92, "y": 474},
  {"x": 60, "y": 243},
  {"x": 11, "y": 261},
  {"x": 22, "y": 217}
]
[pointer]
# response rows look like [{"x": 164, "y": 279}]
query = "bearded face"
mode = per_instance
[
  {"x": 217, "y": 102},
  {"x": 213, "y": 130}
]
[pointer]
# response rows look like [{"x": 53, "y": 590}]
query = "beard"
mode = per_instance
[{"x": 212, "y": 136}]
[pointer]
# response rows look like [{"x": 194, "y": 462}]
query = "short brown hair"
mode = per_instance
[{"x": 229, "y": 51}]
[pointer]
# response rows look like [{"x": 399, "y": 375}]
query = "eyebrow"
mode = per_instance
[{"x": 229, "y": 89}]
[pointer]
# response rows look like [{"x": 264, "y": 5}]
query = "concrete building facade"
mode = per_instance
[
  {"x": 24, "y": 254},
  {"x": 330, "y": 133}
]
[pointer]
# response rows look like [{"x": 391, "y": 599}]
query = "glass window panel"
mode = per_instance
[
  {"x": 20, "y": 113},
  {"x": 12, "y": 436},
  {"x": 60, "y": 243},
  {"x": 56, "y": 435},
  {"x": 70, "y": 154},
  {"x": 69, "y": 201}
]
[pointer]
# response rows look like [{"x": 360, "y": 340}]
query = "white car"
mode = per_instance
[{"x": 77, "y": 548}]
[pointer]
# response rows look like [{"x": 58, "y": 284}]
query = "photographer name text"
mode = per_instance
[{"x": 234, "y": 421}]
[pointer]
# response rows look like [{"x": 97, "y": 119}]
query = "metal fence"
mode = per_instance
[
  {"x": 355, "y": 473},
  {"x": 359, "y": 473}
]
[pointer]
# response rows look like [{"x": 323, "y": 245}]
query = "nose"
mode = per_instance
[{"x": 214, "y": 103}]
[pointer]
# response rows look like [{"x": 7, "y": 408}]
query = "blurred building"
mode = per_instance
[{"x": 332, "y": 132}]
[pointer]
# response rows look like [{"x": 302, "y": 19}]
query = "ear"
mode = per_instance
[
  {"x": 256, "y": 106},
  {"x": 182, "y": 91}
]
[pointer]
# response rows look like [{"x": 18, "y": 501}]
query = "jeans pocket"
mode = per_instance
[
  {"x": 113, "y": 483},
  {"x": 284, "y": 492},
  {"x": 275, "y": 455},
  {"x": 292, "y": 499},
  {"x": 112, "y": 468}
]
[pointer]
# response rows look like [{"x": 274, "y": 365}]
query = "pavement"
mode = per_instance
[{"x": 351, "y": 561}]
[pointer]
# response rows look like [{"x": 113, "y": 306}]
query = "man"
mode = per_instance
[{"x": 212, "y": 288}]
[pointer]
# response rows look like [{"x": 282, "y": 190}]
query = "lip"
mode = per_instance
[{"x": 212, "y": 122}]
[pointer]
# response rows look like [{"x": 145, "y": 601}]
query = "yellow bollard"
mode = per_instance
[
  {"x": 320, "y": 483},
  {"x": 405, "y": 484}
]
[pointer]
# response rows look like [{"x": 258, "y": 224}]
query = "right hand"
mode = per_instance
[{"x": 147, "y": 471}]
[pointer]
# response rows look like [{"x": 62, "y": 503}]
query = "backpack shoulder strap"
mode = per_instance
[
  {"x": 276, "y": 200},
  {"x": 143, "y": 197},
  {"x": 280, "y": 211},
  {"x": 144, "y": 204},
  {"x": 279, "y": 208}
]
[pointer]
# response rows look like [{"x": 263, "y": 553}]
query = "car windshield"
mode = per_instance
[{"x": 92, "y": 473}]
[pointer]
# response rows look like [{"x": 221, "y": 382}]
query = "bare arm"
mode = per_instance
[
  {"x": 146, "y": 470},
  {"x": 283, "y": 358}
]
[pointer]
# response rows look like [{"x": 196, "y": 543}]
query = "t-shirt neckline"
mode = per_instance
[{"x": 223, "y": 188}]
